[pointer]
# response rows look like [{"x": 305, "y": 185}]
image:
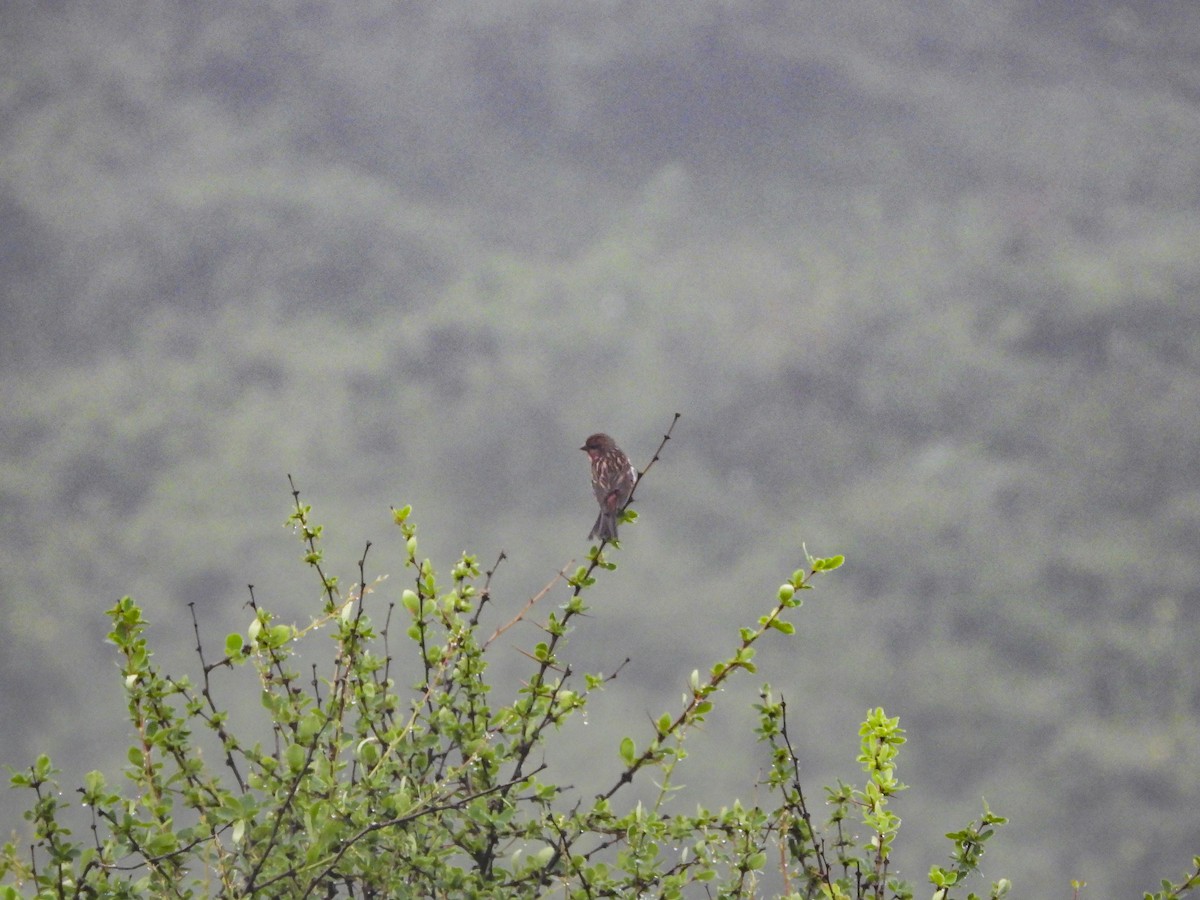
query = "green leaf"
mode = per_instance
[
  {"x": 829, "y": 564},
  {"x": 368, "y": 751},
  {"x": 161, "y": 844},
  {"x": 310, "y": 726},
  {"x": 94, "y": 783},
  {"x": 628, "y": 750},
  {"x": 43, "y": 768},
  {"x": 296, "y": 757},
  {"x": 233, "y": 644}
]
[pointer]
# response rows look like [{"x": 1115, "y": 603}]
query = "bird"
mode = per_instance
[{"x": 613, "y": 479}]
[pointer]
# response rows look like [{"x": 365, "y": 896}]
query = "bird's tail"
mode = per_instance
[{"x": 605, "y": 528}]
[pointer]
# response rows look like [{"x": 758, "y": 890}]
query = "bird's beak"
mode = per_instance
[{"x": 583, "y": 448}]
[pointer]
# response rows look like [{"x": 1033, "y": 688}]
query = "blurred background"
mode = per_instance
[{"x": 921, "y": 277}]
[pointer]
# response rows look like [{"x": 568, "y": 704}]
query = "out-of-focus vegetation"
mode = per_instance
[
  {"x": 921, "y": 278},
  {"x": 371, "y": 787}
]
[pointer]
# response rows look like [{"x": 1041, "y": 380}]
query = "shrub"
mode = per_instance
[{"x": 366, "y": 788}]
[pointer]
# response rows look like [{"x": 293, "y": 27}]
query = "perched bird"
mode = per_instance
[{"x": 613, "y": 478}]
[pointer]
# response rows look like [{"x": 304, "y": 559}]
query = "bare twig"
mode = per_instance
[
  {"x": 657, "y": 455},
  {"x": 562, "y": 573},
  {"x": 485, "y": 593}
]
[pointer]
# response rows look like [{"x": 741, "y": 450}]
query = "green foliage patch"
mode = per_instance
[{"x": 368, "y": 788}]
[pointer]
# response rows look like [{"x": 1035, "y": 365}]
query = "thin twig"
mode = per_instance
[
  {"x": 562, "y": 573},
  {"x": 485, "y": 593},
  {"x": 654, "y": 459}
]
